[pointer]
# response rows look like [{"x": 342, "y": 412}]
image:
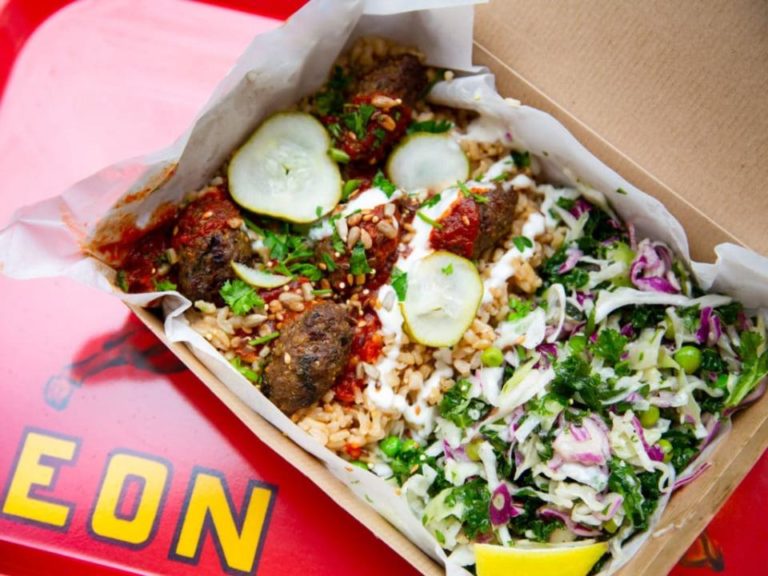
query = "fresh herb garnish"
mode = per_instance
[
  {"x": 263, "y": 339},
  {"x": 521, "y": 159},
  {"x": 382, "y": 183},
  {"x": 164, "y": 285},
  {"x": 329, "y": 263},
  {"x": 476, "y": 499},
  {"x": 245, "y": 370},
  {"x": 400, "y": 283},
  {"x": 322, "y": 292},
  {"x": 621, "y": 191},
  {"x": 240, "y": 297},
  {"x": 349, "y": 187},
  {"x": 424, "y": 218},
  {"x": 432, "y": 126},
  {"x": 122, "y": 280},
  {"x": 358, "y": 263},
  {"x": 331, "y": 100},
  {"x": 459, "y": 408},
  {"x": 518, "y": 309},
  {"x": 431, "y": 201},
  {"x": 357, "y": 120},
  {"x": 610, "y": 345},
  {"x": 447, "y": 270},
  {"x": 338, "y": 155},
  {"x": 467, "y": 193},
  {"x": 522, "y": 242}
]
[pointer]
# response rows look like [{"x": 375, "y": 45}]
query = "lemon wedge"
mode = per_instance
[{"x": 572, "y": 559}]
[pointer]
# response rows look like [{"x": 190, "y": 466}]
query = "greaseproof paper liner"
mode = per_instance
[{"x": 277, "y": 69}]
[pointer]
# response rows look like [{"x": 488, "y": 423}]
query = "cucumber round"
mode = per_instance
[
  {"x": 444, "y": 293},
  {"x": 284, "y": 170},
  {"x": 427, "y": 161},
  {"x": 259, "y": 278}
]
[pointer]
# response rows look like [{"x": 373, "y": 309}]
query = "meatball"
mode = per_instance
[
  {"x": 469, "y": 227},
  {"x": 401, "y": 77},
  {"x": 207, "y": 239},
  {"x": 308, "y": 356}
]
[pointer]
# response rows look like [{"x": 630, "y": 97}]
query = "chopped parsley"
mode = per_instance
[
  {"x": 322, "y": 292},
  {"x": 122, "y": 280},
  {"x": 331, "y": 100},
  {"x": 432, "y": 126},
  {"x": 522, "y": 242},
  {"x": 240, "y": 297},
  {"x": 358, "y": 263},
  {"x": 621, "y": 191},
  {"x": 357, "y": 120},
  {"x": 521, "y": 159},
  {"x": 164, "y": 285},
  {"x": 349, "y": 187},
  {"x": 382, "y": 183},
  {"x": 424, "y": 218},
  {"x": 329, "y": 263},
  {"x": 245, "y": 370},
  {"x": 292, "y": 253},
  {"x": 459, "y": 408},
  {"x": 400, "y": 283},
  {"x": 263, "y": 339},
  {"x": 338, "y": 155},
  {"x": 610, "y": 345},
  {"x": 447, "y": 270},
  {"x": 518, "y": 309},
  {"x": 431, "y": 201},
  {"x": 476, "y": 500},
  {"x": 467, "y": 193}
]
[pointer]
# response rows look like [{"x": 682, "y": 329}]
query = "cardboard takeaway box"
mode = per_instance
[{"x": 672, "y": 97}]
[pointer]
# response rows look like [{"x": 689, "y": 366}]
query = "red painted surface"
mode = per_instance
[{"x": 100, "y": 81}]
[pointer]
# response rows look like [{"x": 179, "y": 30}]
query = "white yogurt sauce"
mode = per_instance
[
  {"x": 368, "y": 200},
  {"x": 504, "y": 269}
]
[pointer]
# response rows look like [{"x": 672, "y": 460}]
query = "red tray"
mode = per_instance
[{"x": 114, "y": 458}]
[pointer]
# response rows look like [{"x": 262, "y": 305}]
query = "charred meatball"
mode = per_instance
[
  {"x": 401, "y": 77},
  {"x": 207, "y": 239},
  {"x": 469, "y": 227},
  {"x": 308, "y": 356}
]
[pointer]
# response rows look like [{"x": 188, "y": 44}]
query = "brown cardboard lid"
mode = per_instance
[{"x": 680, "y": 88}]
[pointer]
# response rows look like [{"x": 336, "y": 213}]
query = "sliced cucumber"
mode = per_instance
[
  {"x": 259, "y": 278},
  {"x": 444, "y": 292},
  {"x": 425, "y": 160},
  {"x": 284, "y": 170}
]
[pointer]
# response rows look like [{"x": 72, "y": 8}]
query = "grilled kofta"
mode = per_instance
[
  {"x": 208, "y": 237},
  {"x": 402, "y": 77},
  {"x": 377, "y": 114},
  {"x": 470, "y": 227},
  {"x": 308, "y": 356}
]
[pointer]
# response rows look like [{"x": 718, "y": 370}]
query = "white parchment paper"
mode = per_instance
[{"x": 276, "y": 70}]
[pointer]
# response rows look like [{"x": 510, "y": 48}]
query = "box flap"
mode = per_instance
[{"x": 679, "y": 89}]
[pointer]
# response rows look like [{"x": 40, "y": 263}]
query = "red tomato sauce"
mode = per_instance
[
  {"x": 367, "y": 344},
  {"x": 145, "y": 258},
  {"x": 458, "y": 228}
]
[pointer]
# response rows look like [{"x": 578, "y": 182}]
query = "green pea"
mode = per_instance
[
  {"x": 666, "y": 447},
  {"x": 689, "y": 358},
  {"x": 473, "y": 450},
  {"x": 621, "y": 252},
  {"x": 578, "y": 343},
  {"x": 409, "y": 445},
  {"x": 359, "y": 464},
  {"x": 649, "y": 417},
  {"x": 492, "y": 357},
  {"x": 390, "y": 446}
]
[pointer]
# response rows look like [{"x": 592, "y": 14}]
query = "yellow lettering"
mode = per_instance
[
  {"x": 107, "y": 519},
  {"x": 208, "y": 498},
  {"x": 32, "y": 474}
]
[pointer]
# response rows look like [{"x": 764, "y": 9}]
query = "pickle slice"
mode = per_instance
[
  {"x": 427, "y": 161},
  {"x": 444, "y": 293},
  {"x": 284, "y": 170},
  {"x": 259, "y": 278}
]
